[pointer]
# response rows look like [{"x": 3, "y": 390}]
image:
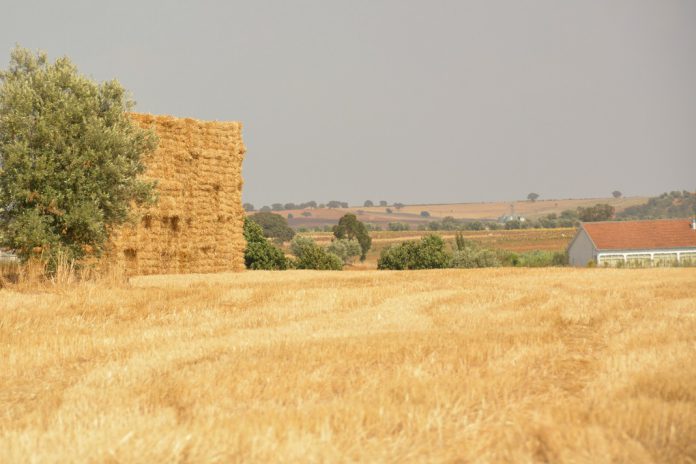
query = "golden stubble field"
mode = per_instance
[{"x": 494, "y": 365}]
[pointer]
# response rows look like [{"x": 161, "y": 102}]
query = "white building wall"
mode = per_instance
[
  {"x": 648, "y": 257},
  {"x": 581, "y": 250}
]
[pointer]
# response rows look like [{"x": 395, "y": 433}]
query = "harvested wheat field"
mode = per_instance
[{"x": 496, "y": 365}]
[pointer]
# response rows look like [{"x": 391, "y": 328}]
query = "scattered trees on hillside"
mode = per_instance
[
  {"x": 349, "y": 227},
  {"x": 70, "y": 158},
  {"x": 668, "y": 205},
  {"x": 274, "y": 226}
]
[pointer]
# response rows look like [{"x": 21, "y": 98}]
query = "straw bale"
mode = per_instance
[{"x": 196, "y": 225}]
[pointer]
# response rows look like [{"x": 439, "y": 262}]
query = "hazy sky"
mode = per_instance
[{"x": 409, "y": 101}]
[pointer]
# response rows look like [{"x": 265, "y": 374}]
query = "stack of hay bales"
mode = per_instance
[{"x": 197, "y": 223}]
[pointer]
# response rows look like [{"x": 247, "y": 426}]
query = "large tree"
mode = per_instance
[{"x": 70, "y": 158}]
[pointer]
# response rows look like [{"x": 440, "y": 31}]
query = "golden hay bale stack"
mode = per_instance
[{"x": 196, "y": 226}]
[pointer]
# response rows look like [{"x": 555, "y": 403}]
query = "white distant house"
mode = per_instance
[{"x": 658, "y": 242}]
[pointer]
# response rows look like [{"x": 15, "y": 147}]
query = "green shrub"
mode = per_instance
[
  {"x": 345, "y": 249},
  {"x": 398, "y": 226},
  {"x": 311, "y": 256},
  {"x": 473, "y": 258},
  {"x": 560, "y": 258},
  {"x": 427, "y": 253},
  {"x": 264, "y": 256},
  {"x": 259, "y": 252},
  {"x": 537, "y": 258}
]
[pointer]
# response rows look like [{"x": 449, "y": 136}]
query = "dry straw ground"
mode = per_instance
[{"x": 497, "y": 365}]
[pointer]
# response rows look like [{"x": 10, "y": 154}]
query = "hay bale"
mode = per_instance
[{"x": 197, "y": 223}]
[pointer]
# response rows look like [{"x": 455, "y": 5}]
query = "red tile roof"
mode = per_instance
[{"x": 643, "y": 235}]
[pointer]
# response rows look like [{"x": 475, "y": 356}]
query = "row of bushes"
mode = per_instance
[
  {"x": 261, "y": 254},
  {"x": 430, "y": 252}
]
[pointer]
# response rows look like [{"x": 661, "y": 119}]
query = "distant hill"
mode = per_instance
[
  {"x": 667, "y": 205},
  {"x": 411, "y": 214}
]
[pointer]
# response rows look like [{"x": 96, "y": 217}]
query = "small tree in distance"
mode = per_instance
[
  {"x": 368, "y": 204},
  {"x": 616, "y": 194},
  {"x": 248, "y": 207},
  {"x": 349, "y": 227},
  {"x": 532, "y": 196},
  {"x": 274, "y": 226}
]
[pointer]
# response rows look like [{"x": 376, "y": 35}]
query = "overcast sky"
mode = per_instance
[{"x": 409, "y": 101}]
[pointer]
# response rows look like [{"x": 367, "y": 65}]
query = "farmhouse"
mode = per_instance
[
  {"x": 658, "y": 242},
  {"x": 197, "y": 224}
]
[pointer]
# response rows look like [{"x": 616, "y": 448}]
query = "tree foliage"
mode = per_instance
[
  {"x": 311, "y": 256},
  {"x": 427, "y": 253},
  {"x": 598, "y": 212},
  {"x": 398, "y": 226},
  {"x": 274, "y": 226},
  {"x": 349, "y": 227},
  {"x": 532, "y": 196},
  {"x": 668, "y": 205},
  {"x": 346, "y": 249},
  {"x": 259, "y": 252},
  {"x": 70, "y": 158}
]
